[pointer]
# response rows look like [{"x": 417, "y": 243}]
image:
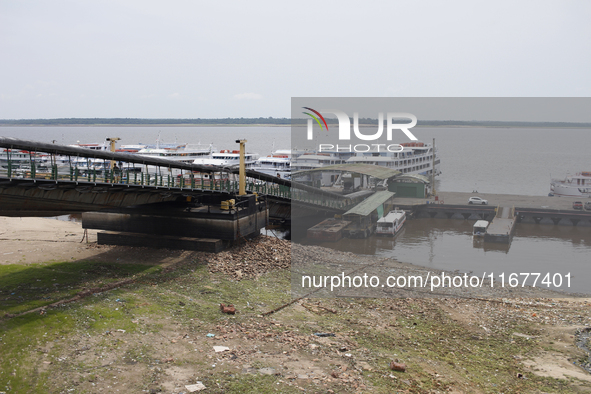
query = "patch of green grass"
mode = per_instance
[
  {"x": 25, "y": 287},
  {"x": 247, "y": 383},
  {"x": 426, "y": 339},
  {"x": 20, "y": 342},
  {"x": 486, "y": 363},
  {"x": 181, "y": 294}
]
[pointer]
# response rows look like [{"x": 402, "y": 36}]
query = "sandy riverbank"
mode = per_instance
[{"x": 37, "y": 240}]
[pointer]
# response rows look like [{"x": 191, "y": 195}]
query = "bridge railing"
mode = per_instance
[{"x": 83, "y": 167}]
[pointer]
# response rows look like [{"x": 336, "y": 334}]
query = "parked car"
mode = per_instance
[
  {"x": 477, "y": 200},
  {"x": 588, "y": 205},
  {"x": 577, "y": 205}
]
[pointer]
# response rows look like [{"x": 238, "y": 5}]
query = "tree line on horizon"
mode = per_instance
[{"x": 263, "y": 121}]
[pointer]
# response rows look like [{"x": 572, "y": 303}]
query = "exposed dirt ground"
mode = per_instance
[{"x": 151, "y": 335}]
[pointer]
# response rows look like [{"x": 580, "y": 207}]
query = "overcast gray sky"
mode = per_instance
[{"x": 197, "y": 59}]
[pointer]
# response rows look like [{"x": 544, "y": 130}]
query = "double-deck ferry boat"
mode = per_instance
[
  {"x": 303, "y": 161},
  {"x": 392, "y": 223},
  {"x": 17, "y": 158},
  {"x": 227, "y": 158},
  {"x": 414, "y": 158},
  {"x": 185, "y": 153},
  {"x": 578, "y": 185},
  {"x": 277, "y": 164}
]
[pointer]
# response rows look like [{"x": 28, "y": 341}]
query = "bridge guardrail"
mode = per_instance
[{"x": 32, "y": 164}]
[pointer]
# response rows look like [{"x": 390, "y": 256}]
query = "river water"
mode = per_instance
[{"x": 491, "y": 160}]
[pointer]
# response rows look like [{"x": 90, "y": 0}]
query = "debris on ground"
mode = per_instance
[
  {"x": 229, "y": 309},
  {"x": 253, "y": 258},
  {"x": 396, "y": 366},
  {"x": 195, "y": 387}
]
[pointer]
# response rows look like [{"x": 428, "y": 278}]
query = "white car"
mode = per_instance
[{"x": 477, "y": 200}]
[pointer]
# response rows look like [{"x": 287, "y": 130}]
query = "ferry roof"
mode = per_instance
[
  {"x": 481, "y": 223},
  {"x": 391, "y": 216},
  {"x": 379, "y": 172},
  {"x": 370, "y": 204}
]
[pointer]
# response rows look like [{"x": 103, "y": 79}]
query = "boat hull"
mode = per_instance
[{"x": 570, "y": 190}]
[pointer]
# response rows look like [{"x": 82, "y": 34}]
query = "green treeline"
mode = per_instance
[
  {"x": 262, "y": 121},
  {"x": 140, "y": 121}
]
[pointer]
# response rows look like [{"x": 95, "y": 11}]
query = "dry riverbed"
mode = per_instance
[{"x": 82, "y": 318}]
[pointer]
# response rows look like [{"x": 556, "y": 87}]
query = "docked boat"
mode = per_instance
[
  {"x": 104, "y": 146},
  {"x": 578, "y": 185},
  {"x": 392, "y": 223},
  {"x": 18, "y": 158},
  {"x": 479, "y": 228},
  {"x": 227, "y": 158},
  {"x": 185, "y": 153},
  {"x": 277, "y": 164},
  {"x": 303, "y": 161},
  {"x": 414, "y": 158}
]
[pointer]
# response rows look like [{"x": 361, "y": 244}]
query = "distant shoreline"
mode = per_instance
[
  {"x": 461, "y": 125},
  {"x": 146, "y": 125}
]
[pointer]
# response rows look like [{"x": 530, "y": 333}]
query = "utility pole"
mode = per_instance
[
  {"x": 433, "y": 171},
  {"x": 242, "y": 170},
  {"x": 113, "y": 141}
]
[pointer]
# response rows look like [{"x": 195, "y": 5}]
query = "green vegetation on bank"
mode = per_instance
[
  {"x": 143, "y": 122},
  {"x": 137, "y": 337}
]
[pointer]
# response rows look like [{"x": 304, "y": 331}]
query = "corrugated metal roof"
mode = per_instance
[
  {"x": 420, "y": 178},
  {"x": 370, "y": 204},
  {"x": 379, "y": 172}
]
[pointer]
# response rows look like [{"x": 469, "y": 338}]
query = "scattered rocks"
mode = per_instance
[
  {"x": 253, "y": 258},
  {"x": 195, "y": 387},
  {"x": 396, "y": 366},
  {"x": 229, "y": 309},
  {"x": 268, "y": 371}
]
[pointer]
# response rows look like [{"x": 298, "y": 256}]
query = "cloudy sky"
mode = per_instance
[{"x": 198, "y": 59}]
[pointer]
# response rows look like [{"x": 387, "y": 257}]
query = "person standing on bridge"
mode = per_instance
[{"x": 116, "y": 174}]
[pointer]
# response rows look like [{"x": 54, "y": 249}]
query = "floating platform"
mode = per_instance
[
  {"x": 328, "y": 230},
  {"x": 179, "y": 226},
  {"x": 502, "y": 227}
]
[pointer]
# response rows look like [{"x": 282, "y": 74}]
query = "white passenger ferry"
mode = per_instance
[
  {"x": 392, "y": 223},
  {"x": 185, "y": 153},
  {"x": 17, "y": 158},
  {"x": 227, "y": 158},
  {"x": 276, "y": 164},
  {"x": 414, "y": 158},
  {"x": 578, "y": 185},
  {"x": 311, "y": 160}
]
